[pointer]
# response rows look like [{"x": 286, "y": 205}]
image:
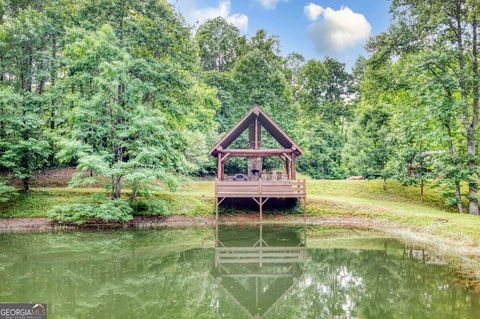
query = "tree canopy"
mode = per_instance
[{"x": 133, "y": 97}]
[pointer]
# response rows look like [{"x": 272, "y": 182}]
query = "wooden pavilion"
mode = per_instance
[{"x": 257, "y": 183}]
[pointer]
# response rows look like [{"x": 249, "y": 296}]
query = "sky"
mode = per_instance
[{"x": 318, "y": 28}]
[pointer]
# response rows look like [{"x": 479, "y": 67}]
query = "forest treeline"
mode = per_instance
[{"x": 130, "y": 94}]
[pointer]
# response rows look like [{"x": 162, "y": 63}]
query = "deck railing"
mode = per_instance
[{"x": 261, "y": 188}]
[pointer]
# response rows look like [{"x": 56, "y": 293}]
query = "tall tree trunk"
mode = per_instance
[
  {"x": 458, "y": 196},
  {"x": 451, "y": 150},
  {"x": 117, "y": 188},
  {"x": 472, "y": 165},
  {"x": 117, "y": 181},
  {"x": 472, "y": 143},
  {"x": 53, "y": 78},
  {"x": 470, "y": 119}
]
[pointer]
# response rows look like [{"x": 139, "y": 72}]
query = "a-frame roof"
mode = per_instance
[{"x": 270, "y": 126}]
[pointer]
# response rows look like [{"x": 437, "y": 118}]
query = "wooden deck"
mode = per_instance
[{"x": 260, "y": 191}]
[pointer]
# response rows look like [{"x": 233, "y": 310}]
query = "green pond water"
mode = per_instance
[{"x": 235, "y": 272}]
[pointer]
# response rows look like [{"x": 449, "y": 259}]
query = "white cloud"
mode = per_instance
[
  {"x": 312, "y": 11},
  {"x": 197, "y": 16},
  {"x": 338, "y": 29},
  {"x": 239, "y": 20},
  {"x": 268, "y": 4}
]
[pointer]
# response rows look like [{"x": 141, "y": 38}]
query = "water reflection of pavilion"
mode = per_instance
[{"x": 256, "y": 271}]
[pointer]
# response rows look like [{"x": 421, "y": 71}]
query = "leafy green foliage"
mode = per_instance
[
  {"x": 6, "y": 192},
  {"x": 371, "y": 137},
  {"x": 324, "y": 89},
  {"x": 123, "y": 92},
  {"x": 150, "y": 207},
  {"x": 219, "y": 44},
  {"x": 79, "y": 213}
]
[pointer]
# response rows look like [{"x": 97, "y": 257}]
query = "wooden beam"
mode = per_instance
[
  {"x": 225, "y": 157},
  {"x": 255, "y": 152},
  {"x": 264, "y": 120}
]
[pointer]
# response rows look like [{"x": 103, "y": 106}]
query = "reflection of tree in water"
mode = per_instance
[
  {"x": 112, "y": 275},
  {"x": 376, "y": 284},
  {"x": 168, "y": 274}
]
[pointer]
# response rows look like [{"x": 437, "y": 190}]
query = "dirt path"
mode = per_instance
[
  {"x": 25, "y": 224},
  {"x": 44, "y": 224}
]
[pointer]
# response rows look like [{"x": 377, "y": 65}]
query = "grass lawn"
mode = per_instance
[{"x": 367, "y": 199}]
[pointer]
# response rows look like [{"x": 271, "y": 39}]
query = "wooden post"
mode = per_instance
[
  {"x": 261, "y": 206},
  {"x": 219, "y": 166},
  {"x": 261, "y": 199},
  {"x": 286, "y": 168},
  {"x": 294, "y": 166}
]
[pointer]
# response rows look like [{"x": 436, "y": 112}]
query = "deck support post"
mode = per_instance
[
  {"x": 261, "y": 209},
  {"x": 261, "y": 200}
]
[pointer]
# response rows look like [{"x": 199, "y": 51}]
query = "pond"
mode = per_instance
[{"x": 229, "y": 272}]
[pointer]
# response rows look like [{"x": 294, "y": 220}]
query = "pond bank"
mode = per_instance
[
  {"x": 38, "y": 224},
  {"x": 464, "y": 256}
]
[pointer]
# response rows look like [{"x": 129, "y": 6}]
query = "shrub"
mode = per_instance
[
  {"x": 108, "y": 210},
  {"x": 6, "y": 192},
  {"x": 150, "y": 208}
]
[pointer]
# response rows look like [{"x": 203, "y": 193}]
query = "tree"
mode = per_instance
[
  {"x": 373, "y": 143},
  {"x": 293, "y": 64},
  {"x": 447, "y": 24},
  {"x": 338, "y": 92},
  {"x": 26, "y": 71},
  {"x": 430, "y": 79},
  {"x": 219, "y": 44},
  {"x": 258, "y": 79},
  {"x": 118, "y": 127},
  {"x": 324, "y": 93}
]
